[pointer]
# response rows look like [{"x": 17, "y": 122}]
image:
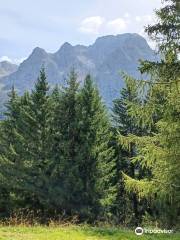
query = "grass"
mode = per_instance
[{"x": 75, "y": 233}]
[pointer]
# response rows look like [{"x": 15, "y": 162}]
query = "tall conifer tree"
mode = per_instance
[
  {"x": 129, "y": 208},
  {"x": 95, "y": 154},
  {"x": 160, "y": 151},
  {"x": 65, "y": 147},
  {"x": 9, "y": 146}
]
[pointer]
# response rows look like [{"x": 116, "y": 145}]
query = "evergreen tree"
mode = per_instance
[
  {"x": 40, "y": 116},
  {"x": 129, "y": 209},
  {"x": 160, "y": 151},
  {"x": 35, "y": 129},
  {"x": 25, "y": 153},
  {"x": 9, "y": 126},
  {"x": 64, "y": 151},
  {"x": 95, "y": 154},
  {"x": 8, "y": 151}
]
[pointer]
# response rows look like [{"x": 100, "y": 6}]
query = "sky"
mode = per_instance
[{"x": 26, "y": 24}]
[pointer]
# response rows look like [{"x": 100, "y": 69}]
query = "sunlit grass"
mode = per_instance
[{"x": 74, "y": 233}]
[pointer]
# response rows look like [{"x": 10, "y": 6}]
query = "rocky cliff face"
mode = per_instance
[{"x": 104, "y": 60}]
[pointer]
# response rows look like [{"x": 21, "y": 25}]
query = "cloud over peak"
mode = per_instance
[
  {"x": 16, "y": 61},
  {"x": 117, "y": 25},
  {"x": 99, "y": 25},
  {"x": 91, "y": 25}
]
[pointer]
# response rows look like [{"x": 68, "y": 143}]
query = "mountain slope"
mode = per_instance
[
  {"x": 6, "y": 68},
  {"x": 104, "y": 60}
]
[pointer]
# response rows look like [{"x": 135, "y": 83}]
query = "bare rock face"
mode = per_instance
[{"x": 104, "y": 60}]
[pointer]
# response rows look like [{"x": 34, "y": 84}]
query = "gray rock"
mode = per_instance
[
  {"x": 103, "y": 60},
  {"x": 6, "y": 68}
]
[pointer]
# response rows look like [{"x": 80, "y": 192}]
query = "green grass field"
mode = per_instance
[{"x": 75, "y": 233}]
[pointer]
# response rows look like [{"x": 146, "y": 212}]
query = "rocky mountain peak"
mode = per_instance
[
  {"x": 64, "y": 49},
  {"x": 103, "y": 60},
  {"x": 38, "y": 52}
]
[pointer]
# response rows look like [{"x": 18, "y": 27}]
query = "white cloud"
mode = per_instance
[
  {"x": 138, "y": 19},
  {"x": 5, "y": 58},
  {"x": 126, "y": 15},
  {"x": 98, "y": 25},
  {"x": 117, "y": 25},
  {"x": 144, "y": 19},
  {"x": 14, "y": 61},
  {"x": 92, "y": 25}
]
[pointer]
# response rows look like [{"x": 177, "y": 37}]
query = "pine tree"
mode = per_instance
[
  {"x": 9, "y": 126},
  {"x": 159, "y": 152},
  {"x": 26, "y": 155},
  {"x": 95, "y": 154},
  {"x": 40, "y": 115},
  {"x": 8, "y": 151},
  {"x": 64, "y": 151},
  {"x": 35, "y": 120}
]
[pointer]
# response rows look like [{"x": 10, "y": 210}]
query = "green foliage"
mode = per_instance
[
  {"x": 60, "y": 156},
  {"x": 160, "y": 110},
  {"x": 97, "y": 166},
  {"x": 64, "y": 151},
  {"x": 25, "y": 156},
  {"x": 54, "y": 152},
  {"x": 166, "y": 30},
  {"x": 129, "y": 208}
]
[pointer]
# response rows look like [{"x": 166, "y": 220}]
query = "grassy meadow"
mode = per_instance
[{"x": 75, "y": 233}]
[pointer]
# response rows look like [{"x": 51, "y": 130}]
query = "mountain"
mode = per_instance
[
  {"x": 103, "y": 60},
  {"x": 6, "y": 68}
]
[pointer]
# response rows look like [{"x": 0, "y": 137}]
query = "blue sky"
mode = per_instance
[{"x": 26, "y": 24}]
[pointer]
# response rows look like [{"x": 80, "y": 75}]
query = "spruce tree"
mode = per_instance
[
  {"x": 64, "y": 149},
  {"x": 26, "y": 155},
  {"x": 95, "y": 154},
  {"x": 35, "y": 119},
  {"x": 9, "y": 126},
  {"x": 9, "y": 146}
]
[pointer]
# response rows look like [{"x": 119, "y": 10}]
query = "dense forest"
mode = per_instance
[{"x": 64, "y": 155}]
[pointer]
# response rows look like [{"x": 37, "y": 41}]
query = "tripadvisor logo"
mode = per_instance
[{"x": 139, "y": 231}]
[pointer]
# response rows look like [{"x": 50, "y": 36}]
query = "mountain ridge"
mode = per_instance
[{"x": 103, "y": 59}]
